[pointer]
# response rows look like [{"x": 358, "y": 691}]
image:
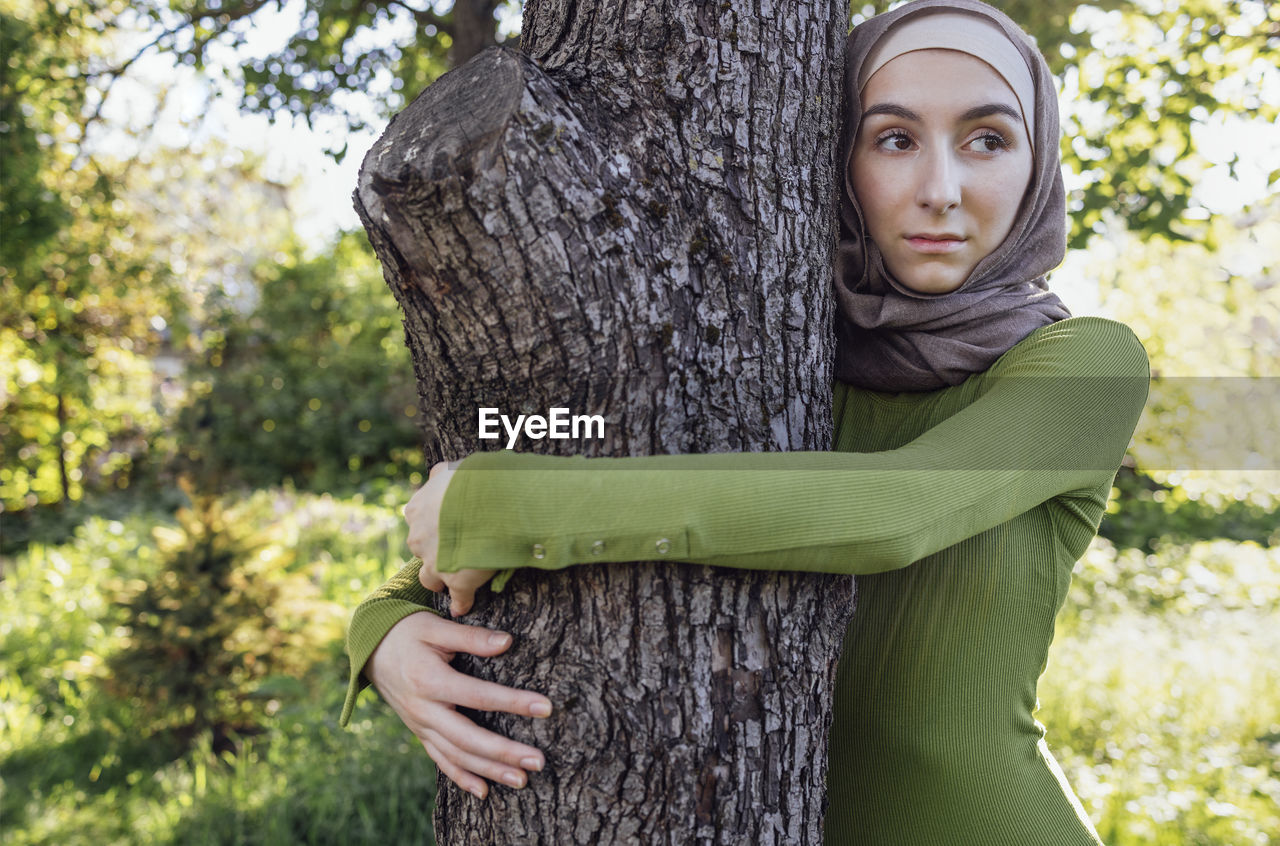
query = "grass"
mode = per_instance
[{"x": 1162, "y": 698}]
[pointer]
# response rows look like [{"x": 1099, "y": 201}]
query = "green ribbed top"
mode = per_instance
[{"x": 963, "y": 511}]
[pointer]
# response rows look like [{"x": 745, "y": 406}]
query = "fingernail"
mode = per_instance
[
  {"x": 513, "y": 779},
  {"x": 540, "y": 709},
  {"x": 531, "y": 764},
  {"x": 479, "y": 794},
  {"x": 499, "y": 639}
]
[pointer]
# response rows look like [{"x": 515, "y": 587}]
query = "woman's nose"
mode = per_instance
[{"x": 939, "y": 187}]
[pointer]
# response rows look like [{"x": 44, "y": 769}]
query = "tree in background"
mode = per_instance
[
  {"x": 1140, "y": 79},
  {"x": 223, "y": 622},
  {"x": 80, "y": 293},
  {"x": 122, "y": 279},
  {"x": 1210, "y": 319},
  {"x": 387, "y": 49}
]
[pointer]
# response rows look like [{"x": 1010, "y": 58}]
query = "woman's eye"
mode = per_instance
[
  {"x": 897, "y": 141},
  {"x": 990, "y": 143}
]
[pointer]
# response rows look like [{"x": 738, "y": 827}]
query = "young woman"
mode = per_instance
[{"x": 978, "y": 430}]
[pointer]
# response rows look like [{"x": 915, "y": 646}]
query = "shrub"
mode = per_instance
[{"x": 221, "y": 623}]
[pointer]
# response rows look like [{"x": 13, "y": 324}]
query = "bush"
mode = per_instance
[
  {"x": 313, "y": 386},
  {"x": 1144, "y": 512},
  {"x": 221, "y": 622},
  {"x": 78, "y": 766}
]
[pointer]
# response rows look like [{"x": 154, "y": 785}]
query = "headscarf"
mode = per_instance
[{"x": 891, "y": 338}]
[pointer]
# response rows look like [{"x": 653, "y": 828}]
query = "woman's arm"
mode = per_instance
[{"x": 1051, "y": 418}]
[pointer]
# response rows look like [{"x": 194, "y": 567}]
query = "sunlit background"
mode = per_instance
[{"x": 206, "y": 416}]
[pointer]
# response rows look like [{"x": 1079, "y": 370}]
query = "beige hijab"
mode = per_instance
[{"x": 890, "y": 338}]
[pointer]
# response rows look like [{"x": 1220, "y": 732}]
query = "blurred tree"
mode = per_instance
[
  {"x": 312, "y": 383},
  {"x": 1205, "y": 448},
  {"x": 337, "y": 47},
  {"x": 77, "y": 298},
  {"x": 101, "y": 263}
]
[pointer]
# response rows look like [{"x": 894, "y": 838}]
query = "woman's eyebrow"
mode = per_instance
[
  {"x": 977, "y": 112},
  {"x": 891, "y": 109},
  {"x": 989, "y": 109}
]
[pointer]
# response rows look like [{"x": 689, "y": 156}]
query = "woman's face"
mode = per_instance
[{"x": 939, "y": 166}]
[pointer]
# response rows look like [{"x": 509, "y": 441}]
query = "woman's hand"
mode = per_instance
[
  {"x": 423, "y": 515},
  {"x": 410, "y": 668}
]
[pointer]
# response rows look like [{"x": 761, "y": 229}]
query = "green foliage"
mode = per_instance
[
  {"x": 1210, "y": 321},
  {"x": 1145, "y": 513},
  {"x": 1161, "y": 694},
  {"x": 30, "y": 213},
  {"x": 313, "y": 385},
  {"x": 96, "y": 268},
  {"x": 385, "y": 50},
  {"x": 55, "y": 623},
  {"x": 205, "y": 635},
  {"x": 303, "y": 780},
  {"x": 78, "y": 766},
  {"x": 1139, "y": 80},
  {"x": 78, "y": 295},
  {"x": 381, "y": 48},
  {"x": 1160, "y": 699}
]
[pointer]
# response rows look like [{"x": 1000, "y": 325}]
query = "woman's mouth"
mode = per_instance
[{"x": 935, "y": 243}]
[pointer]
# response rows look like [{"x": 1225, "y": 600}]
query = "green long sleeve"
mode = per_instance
[
  {"x": 399, "y": 597},
  {"x": 1050, "y": 419}
]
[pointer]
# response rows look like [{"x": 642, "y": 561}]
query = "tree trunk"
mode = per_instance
[
  {"x": 64, "y": 477},
  {"x": 633, "y": 217},
  {"x": 474, "y": 28}
]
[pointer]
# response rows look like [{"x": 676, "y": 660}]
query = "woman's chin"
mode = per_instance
[{"x": 933, "y": 283}]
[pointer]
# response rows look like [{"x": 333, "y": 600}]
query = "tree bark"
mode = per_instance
[{"x": 633, "y": 217}]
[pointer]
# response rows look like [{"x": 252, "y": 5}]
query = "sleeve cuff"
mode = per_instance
[{"x": 401, "y": 596}]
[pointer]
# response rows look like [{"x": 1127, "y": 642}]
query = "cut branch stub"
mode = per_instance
[{"x": 550, "y": 260}]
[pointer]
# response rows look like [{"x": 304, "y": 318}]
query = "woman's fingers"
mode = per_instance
[
  {"x": 469, "y": 692},
  {"x": 430, "y": 579},
  {"x": 459, "y": 637},
  {"x": 468, "y": 754},
  {"x": 465, "y": 735},
  {"x": 462, "y": 588},
  {"x": 469, "y": 782},
  {"x": 485, "y": 767},
  {"x": 421, "y": 540},
  {"x": 461, "y": 598},
  {"x": 456, "y": 688}
]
